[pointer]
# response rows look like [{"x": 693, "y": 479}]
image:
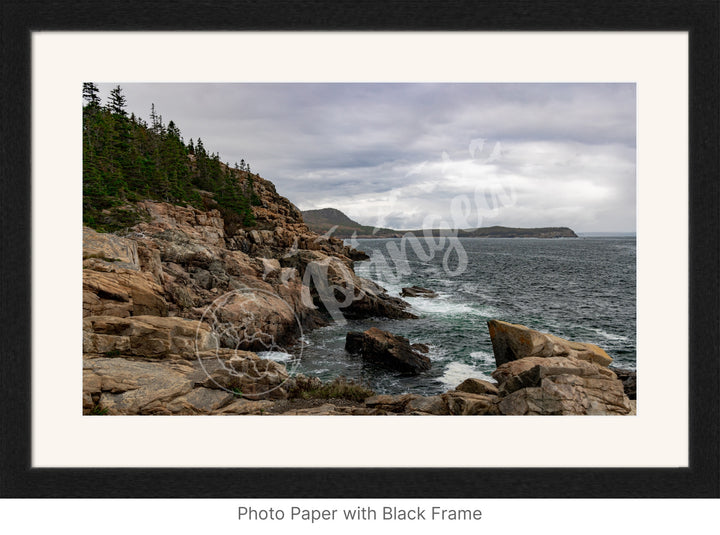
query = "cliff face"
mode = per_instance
[
  {"x": 152, "y": 293},
  {"x": 180, "y": 259}
]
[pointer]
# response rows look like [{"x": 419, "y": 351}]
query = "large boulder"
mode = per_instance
[
  {"x": 478, "y": 386},
  {"x": 435, "y": 405},
  {"x": 559, "y": 385},
  {"x": 512, "y": 342},
  {"x": 450, "y": 403},
  {"x": 127, "y": 384},
  {"x": 391, "y": 403},
  {"x": 146, "y": 336},
  {"x": 468, "y": 404},
  {"x": 123, "y": 386},
  {"x": 248, "y": 376},
  {"x": 255, "y": 320},
  {"x": 332, "y": 285},
  {"x": 388, "y": 349},
  {"x": 246, "y": 406},
  {"x": 200, "y": 401},
  {"x": 121, "y": 292}
]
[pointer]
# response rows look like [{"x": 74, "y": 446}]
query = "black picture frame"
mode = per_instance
[{"x": 700, "y": 18}]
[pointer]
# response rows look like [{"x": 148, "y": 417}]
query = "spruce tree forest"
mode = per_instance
[{"x": 125, "y": 160}]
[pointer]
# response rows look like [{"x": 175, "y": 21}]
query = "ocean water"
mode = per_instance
[{"x": 581, "y": 289}]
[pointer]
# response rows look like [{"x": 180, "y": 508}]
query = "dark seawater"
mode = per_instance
[{"x": 580, "y": 289}]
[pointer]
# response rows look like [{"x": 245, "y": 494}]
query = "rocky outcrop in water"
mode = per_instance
[
  {"x": 386, "y": 349},
  {"x": 417, "y": 291}
]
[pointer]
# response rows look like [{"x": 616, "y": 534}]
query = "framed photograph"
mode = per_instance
[{"x": 409, "y": 254}]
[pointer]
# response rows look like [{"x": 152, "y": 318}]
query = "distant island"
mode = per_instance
[{"x": 326, "y": 219}]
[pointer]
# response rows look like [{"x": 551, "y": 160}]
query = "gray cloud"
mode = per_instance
[{"x": 404, "y": 155}]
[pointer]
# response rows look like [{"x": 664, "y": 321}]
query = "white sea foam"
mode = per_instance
[
  {"x": 436, "y": 353},
  {"x": 443, "y": 306},
  {"x": 484, "y": 357},
  {"x": 603, "y": 334},
  {"x": 456, "y": 372},
  {"x": 609, "y": 336},
  {"x": 277, "y": 356}
]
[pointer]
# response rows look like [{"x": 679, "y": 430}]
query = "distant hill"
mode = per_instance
[
  {"x": 321, "y": 221},
  {"x": 509, "y": 232}
]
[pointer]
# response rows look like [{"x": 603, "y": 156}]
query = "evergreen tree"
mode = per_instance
[
  {"x": 126, "y": 160},
  {"x": 90, "y": 94},
  {"x": 117, "y": 102}
]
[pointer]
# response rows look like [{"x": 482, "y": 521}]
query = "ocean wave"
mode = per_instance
[
  {"x": 456, "y": 372},
  {"x": 445, "y": 307},
  {"x": 608, "y": 336}
]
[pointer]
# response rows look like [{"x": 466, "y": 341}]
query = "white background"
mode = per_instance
[
  {"x": 215, "y": 517},
  {"x": 657, "y": 62}
]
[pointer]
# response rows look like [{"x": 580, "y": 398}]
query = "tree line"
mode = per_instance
[{"x": 126, "y": 159}]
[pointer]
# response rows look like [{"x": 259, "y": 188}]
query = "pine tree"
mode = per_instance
[
  {"x": 90, "y": 94},
  {"x": 154, "y": 120},
  {"x": 126, "y": 160},
  {"x": 117, "y": 102}
]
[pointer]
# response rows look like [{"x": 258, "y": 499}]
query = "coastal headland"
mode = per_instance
[{"x": 178, "y": 306}]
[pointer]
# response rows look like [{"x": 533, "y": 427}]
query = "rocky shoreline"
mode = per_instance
[
  {"x": 176, "y": 309},
  {"x": 163, "y": 365}
]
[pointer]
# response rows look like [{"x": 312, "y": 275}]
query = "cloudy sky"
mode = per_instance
[{"x": 409, "y": 156}]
